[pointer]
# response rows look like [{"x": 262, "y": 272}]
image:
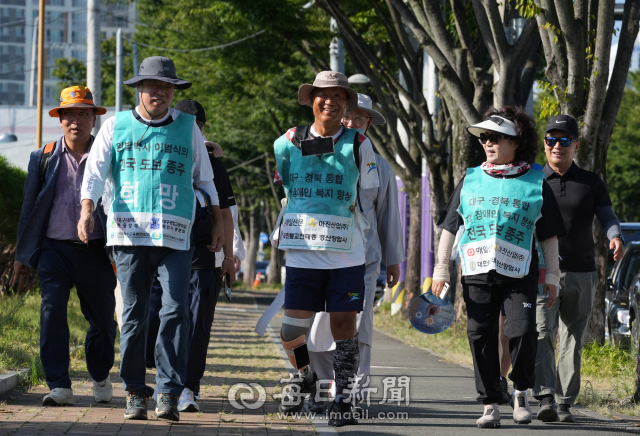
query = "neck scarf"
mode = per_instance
[{"x": 505, "y": 170}]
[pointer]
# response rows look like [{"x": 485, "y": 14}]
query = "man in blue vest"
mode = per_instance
[
  {"x": 147, "y": 162},
  {"x": 48, "y": 240},
  {"x": 323, "y": 166}
]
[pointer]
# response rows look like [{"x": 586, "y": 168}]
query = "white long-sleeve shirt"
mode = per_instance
[{"x": 98, "y": 182}]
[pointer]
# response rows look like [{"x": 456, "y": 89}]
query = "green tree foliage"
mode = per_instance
[
  {"x": 12, "y": 181},
  {"x": 623, "y": 160},
  {"x": 70, "y": 72}
]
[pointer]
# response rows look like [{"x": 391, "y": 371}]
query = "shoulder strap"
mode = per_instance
[
  {"x": 301, "y": 133},
  {"x": 356, "y": 156},
  {"x": 207, "y": 199},
  {"x": 44, "y": 160}
]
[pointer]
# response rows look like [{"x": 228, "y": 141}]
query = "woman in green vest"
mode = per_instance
[{"x": 504, "y": 207}]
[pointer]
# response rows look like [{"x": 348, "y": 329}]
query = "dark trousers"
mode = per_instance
[
  {"x": 204, "y": 290},
  {"x": 60, "y": 268},
  {"x": 137, "y": 267},
  {"x": 483, "y": 311}
]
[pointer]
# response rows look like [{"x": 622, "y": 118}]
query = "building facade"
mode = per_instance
[{"x": 65, "y": 37}]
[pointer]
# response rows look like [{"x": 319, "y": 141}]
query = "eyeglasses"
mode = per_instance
[
  {"x": 493, "y": 137},
  {"x": 72, "y": 116},
  {"x": 356, "y": 119},
  {"x": 156, "y": 87},
  {"x": 550, "y": 141}
]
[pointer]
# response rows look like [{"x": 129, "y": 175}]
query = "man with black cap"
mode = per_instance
[
  {"x": 147, "y": 162},
  {"x": 580, "y": 194},
  {"x": 323, "y": 166},
  {"x": 207, "y": 269}
]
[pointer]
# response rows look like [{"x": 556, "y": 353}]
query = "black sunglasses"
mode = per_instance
[
  {"x": 550, "y": 141},
  {"x": 493, "y": 137}
]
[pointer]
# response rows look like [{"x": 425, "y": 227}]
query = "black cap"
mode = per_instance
[
  {"x": 191, "y": 107},
  {"x": 564, "y": 123},
  {"x": 158, "y": 68}
]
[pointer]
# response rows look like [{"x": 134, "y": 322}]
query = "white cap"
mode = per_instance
[{"x": 495, "y": 124}]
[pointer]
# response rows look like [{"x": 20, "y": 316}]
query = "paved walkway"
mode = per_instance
[{"x": 439, "y": 399}]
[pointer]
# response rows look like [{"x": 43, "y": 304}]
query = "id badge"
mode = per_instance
[{"x": 317, "y": 146}]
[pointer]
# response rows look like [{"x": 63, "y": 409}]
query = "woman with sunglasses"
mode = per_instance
[{"x": 503, "y": 208}]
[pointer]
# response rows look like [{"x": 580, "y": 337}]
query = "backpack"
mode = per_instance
[{"x": 44, "y": 160}]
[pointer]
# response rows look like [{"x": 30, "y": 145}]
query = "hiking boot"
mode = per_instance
[
  {"x": 521, "y": 410},
  {"x": 58, "y": 397},
  {"x": 504, "y": 387},
  {"x": 490, "y": 418},
  {"x": 167, "y": 407},
  {"x": 323, "y": 401},
  {"x": 102, "y": 391},
  {"x": 564, "y": 413},
  {"x": 136, "y": 405},
  {"x": 187, "y": 402},
  {"x": 340, "y": 413},
  {"x": 300, "y": 383},
  {"x": 548, "y": 409}
]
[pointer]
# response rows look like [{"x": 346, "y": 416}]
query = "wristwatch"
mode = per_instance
[
  {"x": 228, "y": 258},
  {"x": 619, "y": 237}
]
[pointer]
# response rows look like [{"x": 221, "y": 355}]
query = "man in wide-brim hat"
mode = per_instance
[
  {"x": 149, "y": 159},
  {"x": 322, "y": 167},
  {"x": 48, "y": 240}
]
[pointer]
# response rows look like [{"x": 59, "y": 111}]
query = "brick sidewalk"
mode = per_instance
[{"x": 237, "y": 355}]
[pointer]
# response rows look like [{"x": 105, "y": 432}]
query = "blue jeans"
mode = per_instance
[
  {"x": 137, "y": 266},
  {"x": 60, "y": 268}
]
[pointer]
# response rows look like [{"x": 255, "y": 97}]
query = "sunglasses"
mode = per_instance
[
  {"x": 493, "y": 137},
  {"x": 550, "y": 141}
]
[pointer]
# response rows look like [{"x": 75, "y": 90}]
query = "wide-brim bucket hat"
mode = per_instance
[
  {"x": 494, "y": 123},
  {"x": 76, "y": 97},
  {"x": 365, "y": 104},
  {"x": 158, "y": 68},
  {"x": 328, "y": 79}
]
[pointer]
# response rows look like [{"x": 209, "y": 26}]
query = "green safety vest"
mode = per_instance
[
  {"x": 321, "y": 194},
  {"x": 499, "y": 219},
  {"x": 153, "y": 199}
]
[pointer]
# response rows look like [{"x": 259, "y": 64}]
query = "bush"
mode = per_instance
[{"x": 12, "y": 181}]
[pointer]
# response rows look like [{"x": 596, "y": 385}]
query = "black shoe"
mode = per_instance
[
  {"x": 299, "y": 384},
  {"x": 167, "y": 407},
  {"x": 136, "y": 405},
  {"x": 564, "y": 413},
  {"x": 504, "y": 387},
  {"x": 340, "y": 413},
  {"x": 548, "y": 409},
  {"x": 320, "y": 405}
]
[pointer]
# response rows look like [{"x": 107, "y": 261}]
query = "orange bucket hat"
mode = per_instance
[{"x": 76, "y": 96}]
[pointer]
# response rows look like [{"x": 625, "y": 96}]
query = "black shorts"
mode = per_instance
[{"x": 325, "y": 290}]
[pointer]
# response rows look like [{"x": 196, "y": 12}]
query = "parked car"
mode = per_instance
[
  {"x": 262, "y": 266},
  {"x": 630, "y": 233},
  {"x": 622, "y": 294}
]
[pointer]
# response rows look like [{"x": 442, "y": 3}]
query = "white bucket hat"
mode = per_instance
[
  {"x": 365, "y": 104},
  {"x": 495, "y": 124}
]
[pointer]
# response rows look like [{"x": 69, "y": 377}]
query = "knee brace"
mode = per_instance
[{"x": 293, "y": 335}]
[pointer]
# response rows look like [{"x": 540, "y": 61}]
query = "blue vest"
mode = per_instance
[
  {"x": 499, "y": 219},
  {"x": 153, "y": 199},
  {"x": 321, "y": 194}
]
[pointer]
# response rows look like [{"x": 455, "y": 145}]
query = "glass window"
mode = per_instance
[
  {"x": 21, "y": 87},
  {"x": 20, "y": 31},
  {"x": 79, "y": 3},
  {"x": 20, "y": 13},
  {"x": 19, "y": 51}
]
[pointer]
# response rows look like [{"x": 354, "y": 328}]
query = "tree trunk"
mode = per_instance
[
  {"x": 252, "y": 248},
  {"x": 597, "y": 320},
  {"x": 275, "y": 260},
  {"x": 412, "y": 285}
]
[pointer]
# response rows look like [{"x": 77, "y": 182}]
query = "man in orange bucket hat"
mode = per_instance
[{"x": 48, "y": 240}]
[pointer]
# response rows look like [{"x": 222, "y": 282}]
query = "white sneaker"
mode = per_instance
[
  {"x": 187, "y": 402},
  {"x": 521, "y": 410},
  {"x": 491, "y": 417},
  {"x": 58, "y": 397},
  {"x": 102, "y": 391}
]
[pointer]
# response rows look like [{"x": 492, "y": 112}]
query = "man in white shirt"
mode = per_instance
[
  {"x": 146, "y": 163},
  {"x": 323, "y": 166}
]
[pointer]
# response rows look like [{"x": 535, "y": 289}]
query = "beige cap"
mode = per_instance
[{"x": 328, "y": 79}]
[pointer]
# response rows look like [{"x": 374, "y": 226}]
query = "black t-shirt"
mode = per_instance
[
  {"x": 202, "y": 257},
  {"x": 550, "y": 224},
  {"x": 578, "y": 193}
]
